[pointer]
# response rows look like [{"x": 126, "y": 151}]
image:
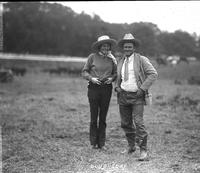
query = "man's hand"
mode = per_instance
[
  {"x": 140, "y": 92},
  {"x": 109, "y": 80},
  {"x": 118, "y": 89},
  {"x": 95, "y": 81}
]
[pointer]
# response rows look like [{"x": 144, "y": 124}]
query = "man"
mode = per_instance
[{"x": 135, "y": 75}]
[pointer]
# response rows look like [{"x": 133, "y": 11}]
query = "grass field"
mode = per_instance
[{"x": 45, "y": 126}]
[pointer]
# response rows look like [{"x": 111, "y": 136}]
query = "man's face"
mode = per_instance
[{"x": 128, "y": 48}]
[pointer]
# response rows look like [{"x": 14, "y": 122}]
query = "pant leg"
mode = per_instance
[
  {"x": 138, "y": 110},
  {"x": 93, "y": 96},
  {"x": 127, "y": 123},
  {"x": 106, "y": 93}
]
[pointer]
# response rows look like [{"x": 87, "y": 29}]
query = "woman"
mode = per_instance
[{"x": 100, "y": 70}]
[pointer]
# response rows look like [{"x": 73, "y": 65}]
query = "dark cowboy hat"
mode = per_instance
[
  {"x": 128, "y": 38},
  {"x": 103, "y": 39}
]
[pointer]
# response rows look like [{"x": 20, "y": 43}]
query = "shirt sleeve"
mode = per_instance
[
  {"x": 86, "y": 69},
  {"x": 150, "y": 72}
]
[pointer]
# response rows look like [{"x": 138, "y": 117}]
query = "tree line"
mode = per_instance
[{"x": 54, "y": 29}]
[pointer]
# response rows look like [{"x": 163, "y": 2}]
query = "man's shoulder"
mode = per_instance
[
  {"x": 121, "y": 60},
  {"x": 142, "y": 57}
]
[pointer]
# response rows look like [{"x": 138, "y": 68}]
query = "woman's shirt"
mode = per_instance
[{"x": 100, "y": 66}]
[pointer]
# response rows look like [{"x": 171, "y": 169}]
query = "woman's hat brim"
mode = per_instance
[
  {"x": 95, "y": 45},
  {"x": 135, "y": 42}
]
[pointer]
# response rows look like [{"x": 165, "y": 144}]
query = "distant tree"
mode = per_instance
[
  {"x": 147, "y": 34},
  {"x": 46, "y": 28},
  {"x": 165, "y": 39},
  {"x": 197, "y": 50},
  {"x": 185, "y": 44},
  {"x": 177, "y": 43}
]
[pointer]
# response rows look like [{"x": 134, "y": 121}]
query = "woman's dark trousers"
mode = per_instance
[{"x": 99, "y": 100}]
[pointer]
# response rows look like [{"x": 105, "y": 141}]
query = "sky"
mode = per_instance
[{"x": 167, "y": 15}]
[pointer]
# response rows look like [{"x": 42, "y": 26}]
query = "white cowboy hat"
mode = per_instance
[
  {"x": 103, "y": 39},
  {"x": 128, "y": 38}
]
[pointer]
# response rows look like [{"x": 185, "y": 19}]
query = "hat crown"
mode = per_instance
[
  {"x": 128, "y": 36},
  {"x": 103, "y": 37}
]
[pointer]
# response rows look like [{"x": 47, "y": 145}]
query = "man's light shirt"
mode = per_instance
[{"x": 130, "y": 84}]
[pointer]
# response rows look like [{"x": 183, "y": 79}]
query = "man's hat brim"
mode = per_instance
[
  {"x": 135, "y": 42},
  {"x": 95, "y": 45}
]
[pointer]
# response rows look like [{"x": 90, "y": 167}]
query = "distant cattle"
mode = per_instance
[
  {"x": 62, "y": 70},
  {"x": 161, "y": 61},
  {"x": 6, "y": 75},
  {"x": 194, "y": 80},
  {"x": 54, "y": 71},
  {"x": 190, "y": 59},
  {"x": 183, "y": 59},
  {"x": 18, "y": 71},
  {"x": 175, "y": 60}
]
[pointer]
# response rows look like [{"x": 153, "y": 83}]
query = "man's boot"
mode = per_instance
[
  {"x": 131, "y": 149},
  {"x": 143, "y": 149},
  {"x": 143, "y": 155},
  {"x": 131, "y": 142}
]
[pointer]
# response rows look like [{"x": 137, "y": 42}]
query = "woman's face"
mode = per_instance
[{"x": 104, "y": 48}]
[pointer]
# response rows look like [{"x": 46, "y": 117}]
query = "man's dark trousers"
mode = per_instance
[{"x": 99, "y": 100}]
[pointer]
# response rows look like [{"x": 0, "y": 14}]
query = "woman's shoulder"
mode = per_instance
[{"x": 92, "y": 55}]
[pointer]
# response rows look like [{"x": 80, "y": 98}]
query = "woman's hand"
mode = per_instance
[
  {"x": 95, "y": 80},
  {"x": 109, "y": 80}
]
